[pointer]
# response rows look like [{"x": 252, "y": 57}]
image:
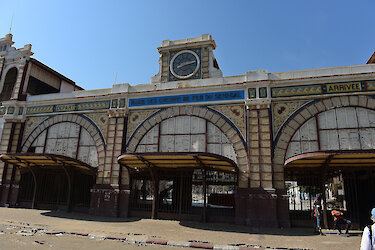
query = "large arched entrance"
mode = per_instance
[
  {"x": 58, "y": 164},
  {"x": 187, "y": 188},
  {"x": 329, "y": 148}
]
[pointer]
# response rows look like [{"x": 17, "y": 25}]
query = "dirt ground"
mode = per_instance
[{"x": 42, "y": 229}]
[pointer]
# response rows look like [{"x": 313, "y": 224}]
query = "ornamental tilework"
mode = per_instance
[
  {"x": 39, "y": 109},
  {"x": 252, "y": 93},
  {"x": 135, "y": 118},
  {"x": 122, "y": 103},
  {"x": 235, "y": 113},
  {"x": 31, "y": 124},
  {"x": 281, "y": 111},
  {"x": 65, "y": 107},
  {"x": 296, "y": 91},
  {"x": 370, "y": 85},
  {"x": 263, "y": 92},
  {"x": 10, "y": 110},
  {"x": 101, "y": 120},
  {"x": 93, "y": 105}
]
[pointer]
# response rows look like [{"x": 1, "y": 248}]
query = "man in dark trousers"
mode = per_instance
[
  {"x": 338, "y": 218},
  {"x": 317, "y": 213}
]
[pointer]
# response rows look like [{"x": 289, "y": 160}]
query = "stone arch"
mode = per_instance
[
  {"x": 304, "y": 114},
  {"x": 219, "y": 120},
  {"x": 8, "y": 83},
  {"x": 81, "y": 120}
]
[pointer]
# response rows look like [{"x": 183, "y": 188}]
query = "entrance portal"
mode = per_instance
[
  {"x": 51, "y": 181},
  {"x": 345, "y": 179},
  {"x": 191, "y": 186}
]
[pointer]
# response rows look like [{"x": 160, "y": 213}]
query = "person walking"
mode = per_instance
[
  {"x": 338, "y": 218},
  {"x": 368, "y": 236},
  {"x": 317, "y": 214}
]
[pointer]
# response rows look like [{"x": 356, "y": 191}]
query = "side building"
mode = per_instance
[{"x": 191, "y": 144}]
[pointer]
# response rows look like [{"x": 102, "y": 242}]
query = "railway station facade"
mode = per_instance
[{"x": 192, "y": 144}]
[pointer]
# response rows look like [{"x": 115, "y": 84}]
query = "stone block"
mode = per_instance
[
  {"x": 265, "y": 128},
  {"x": 253, "y": 113},
  {"x": 266, "y": 168},
  {"x": 282, "y": 144},
  {"x": 242, "y": 153},
  {"x": 344, "y": 100},
  {"x": 336, "y": 101},
  {"x": 278, "y": 167},
  {"x": 236, "y": 138},
  {"x": 294, "y": 124},
  {"x": 362, "y": 101},
  {"x": 306, "y": 114},
  {"x": 208, "y": 115},
  {"x": 371, "y": 103},
  {"x": 253, "y": 136},
  {"x": 264, "y": 120},
  {"x": 267, "y": 184},
  {"x": 202, "y": 112},
  {"x": 215, "y": 118},
  {"x": 299, "y": 119},
  {"x": 254, "y": 183},
  {"x": 312, "y": 110},
  {"x": 254, "y": 152},
  {"x": 353, "y": 100},
  {"x": 254, "y": 129},
  {"x": 220, "y": 122},
  {"x": 265, "y": 136},
  {"x": 254, "y": 176},
  {"x": 242, "y": 161},
  {"x": 264, "y": 113},
  {"x": 253, "y": 121},
  {"x": 288, "y": 130},
  {"x": 254, "y": 160},
  {"x": 226, "y": 127},
  {"x": 278, "y": 176},
  {"x": 265, "y": 151},
  {"x": 266, "y": 160},
  {"x": 254, "y": 144},
  {"x": 231, "y": 132},
  {"x": 328, "y": 103}
]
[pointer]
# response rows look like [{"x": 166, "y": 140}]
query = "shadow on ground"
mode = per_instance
[
  {"x": 85, "y": 217},
  {"x": 220, "y": 227}
]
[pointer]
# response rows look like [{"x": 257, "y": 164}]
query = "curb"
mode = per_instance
[{"x": 191, "y": 243}]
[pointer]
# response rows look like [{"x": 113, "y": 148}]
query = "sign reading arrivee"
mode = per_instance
[{"x": 343, "y": 87}]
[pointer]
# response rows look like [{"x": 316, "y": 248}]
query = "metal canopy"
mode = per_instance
[
  {"x": 165, "y": 160},
  {"x": 333, "y": 159},
  {"x": 50, "y": 161}
]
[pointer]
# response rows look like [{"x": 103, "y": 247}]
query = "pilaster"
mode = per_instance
[{"x": 111, "y": 193}]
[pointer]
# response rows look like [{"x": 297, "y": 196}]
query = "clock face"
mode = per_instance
[{"x": 184, "y": 64}]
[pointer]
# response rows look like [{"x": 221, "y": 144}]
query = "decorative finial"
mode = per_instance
[{"x": 11, "y": 23}]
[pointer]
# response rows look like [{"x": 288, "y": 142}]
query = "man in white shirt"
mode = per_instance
[{"x": 368, "y": 239}]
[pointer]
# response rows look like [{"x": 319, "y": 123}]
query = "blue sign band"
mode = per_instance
[{"x": 203, "y": 97}]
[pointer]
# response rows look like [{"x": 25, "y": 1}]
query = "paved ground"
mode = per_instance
[{"x": 31, "y": 229}]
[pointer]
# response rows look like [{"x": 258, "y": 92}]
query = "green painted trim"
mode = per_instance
[
  {"x": 297, "y": 90},
  {"x": 40, "y": 109},
  {"x": 58, "y": 108}
]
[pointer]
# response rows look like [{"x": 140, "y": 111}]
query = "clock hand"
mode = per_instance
[{"x": 185, "y": 63}]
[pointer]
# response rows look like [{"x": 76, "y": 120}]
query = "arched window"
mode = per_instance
[
  {"x": 187, "y": 134},
  {"x": 68, "y": 139},
  {"x": 10, "y": 80}
]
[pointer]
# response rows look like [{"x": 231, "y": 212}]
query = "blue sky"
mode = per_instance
[{"x": 89, "y": 41}]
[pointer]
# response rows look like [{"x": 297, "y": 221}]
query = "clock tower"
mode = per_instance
[{"x": 187, "y": 59}]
